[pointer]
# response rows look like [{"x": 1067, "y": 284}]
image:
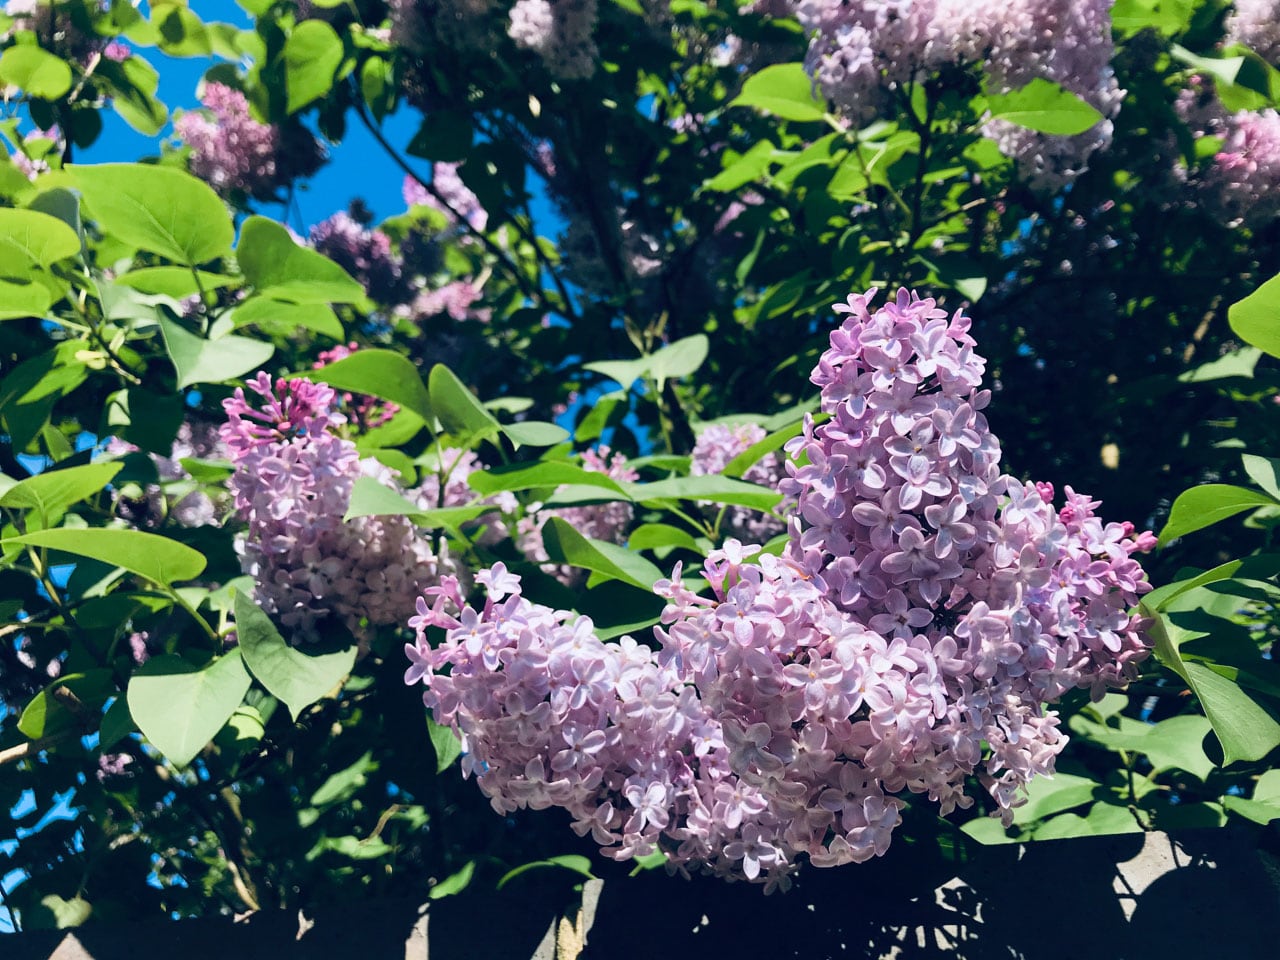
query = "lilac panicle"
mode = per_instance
[{"x": 925, "y": 610}]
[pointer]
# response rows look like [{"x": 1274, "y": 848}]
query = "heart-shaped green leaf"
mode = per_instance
[{"x": 180, "y": 707}]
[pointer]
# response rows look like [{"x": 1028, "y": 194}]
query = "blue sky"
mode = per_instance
[{"x": 357, "y": 166}]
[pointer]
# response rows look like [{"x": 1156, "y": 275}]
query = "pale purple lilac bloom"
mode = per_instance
[
  {"x": 718, "y": 444},
  {"x": 926, "y": 608}
]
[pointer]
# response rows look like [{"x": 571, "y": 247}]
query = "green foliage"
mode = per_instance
[
  {"x": 1044, "y": 106},
  {"x": 179, "y": 706}
]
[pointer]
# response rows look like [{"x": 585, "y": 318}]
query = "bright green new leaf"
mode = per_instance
[
  {"x": 311, "y": 58},
  {"x": 198, "y": 360},
  {"x": 541, "y": 475},
  {"x": 566, "y": 545},
  {"x": 30, "y": 238},
  {"x": 783, "y": 90},
  {"x": 1256, "y": 318},
  {"x": 379, "y": 373},
  {"x": 55, "y": 490},
  {"x": 1208, "y": 503},
  {"x": 679, "y": 359},
  {"x": 162, "y": 210},
  {"x": 285, "y": 319},
  {"x": 18, "y": 300},
  {"x": 1263, "y": 471},
  {"x": 291, "y": 674},
  {"x": 149, "y": 555},
  {"x": 180, "y": 707},
  {"x": 535, "y": 433},
  {"x": 457, "y": 407},
  {"x": 175, "y": 282},
  {"x": 713, "y": 489},
  {"x": 1044, "y": 106},
  {"x": 35, "y": 71},
  {"x": 277, "y": 266}
]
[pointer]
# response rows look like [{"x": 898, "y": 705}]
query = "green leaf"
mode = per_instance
[
  {"x": 740, "y": 170},
  {"x": 651, "y": 535},
  {"x": 285, "y": 319},
  {"x": 713, "y": 489},
  {"x": 446, "y": 743},
  {"x": 311, "y": 55},
  {"x": 766, "y": 445},
  {"x": 549, "y": 474},
  {"x": 1044, "y": 106},
  {"x": 296, "y": 677},
  {"x": 1049, "y": 795},
  {"x": 18, "y": 300},
  {"x": 1265, "y": 804},
  {"x": 277, "y": 266},
  {"x": 1258, "y": 567},
  {"x": 35, "y": 71},
  {"x": 117, "y": 723},
  {"x": 28, "y": 237},
  {"x": 457, "y": 407},
  {"x": 180, "y": 707},
  {"x": 1263, "y": 471},
  {"x": 1256, "y": 318},
  {"x": 1224, "y": 70},
  {"x": 1245, "y": 730},
  {"x": 162, "y": 210},
  {"x": 535, "y": 433},
  {"x": 57, "y": 913},
  {"x": 783, "y": 90},
  {"x": 1206, "y": 504},
  {"x": 1237, "y": 363},
  {"x": 52, "y": 491},
  {"x": 1103, "y": 819},
  {"x": 67, "y": 703},
  {"x": 578, "y": 864},
  {"x": 679, "y": 359},
  {"x": 566, "y": 545},
  {"x": 369, "y": 498},
  {"x": 379, "y": 373},
  {"x": 454, "y": 883},
  {"x": 149, "y": 555},
  {"x": 624, "y": 372},
  {"x": 175, "y": 282},
  {"x": 343, "y": 785},
  {"x": 198, "y": 360}
]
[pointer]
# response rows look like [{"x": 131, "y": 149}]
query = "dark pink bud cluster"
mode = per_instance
[{"x": 292, "y": 486}]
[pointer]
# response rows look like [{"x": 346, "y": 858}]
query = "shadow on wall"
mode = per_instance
[{"x": 1127, "y": 897}]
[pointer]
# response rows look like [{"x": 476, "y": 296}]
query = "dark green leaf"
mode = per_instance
[
  {"x": 578, "y": 864},
  {"x": 379, "y": 373},
  {"x": 722, "y": 490},
  {"x": 566, "y": 545},
  {"x": 457, "y": 407},
  {"x": 285, "y": 319},
  {"x": 67, "y": 703}
]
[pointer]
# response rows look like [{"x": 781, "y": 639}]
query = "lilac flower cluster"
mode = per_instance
[
  {"x": 601, "y": 521},
  {"x": 177, "y": 496},
  {"x": 63, "y": 32},
  {"x": 549, "y": 715},
  {"x": 232, "y": 152},
  {"x": 1242, "y": 182},
  {"x": 864, "y": 52},
  {"x": 715, "y": 447},
  {"x": 365, "y": 254},
  {"x": 454, "y": 299},
  {"x": 561, "y": 32},
  {"x": 419, "y": 25},
  {"x": 458, "y": 199},
  {"x": 1256, "y": 24},
  {"x": 925, "y": 610},
  {"x": 292, "y": 485}
]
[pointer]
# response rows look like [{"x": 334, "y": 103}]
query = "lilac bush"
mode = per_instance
[{"x": 925, "y": 609}]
